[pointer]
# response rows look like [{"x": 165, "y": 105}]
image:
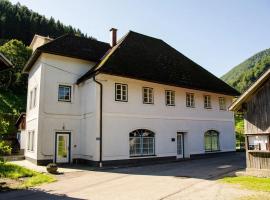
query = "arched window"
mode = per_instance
[
  {"x": 141, "y": 143},
  {"x": 211, "y": 141}
]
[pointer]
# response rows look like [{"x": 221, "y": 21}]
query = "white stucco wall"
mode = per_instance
[
  {"x": 80, "y": 117},
  {"x": 120, "y": 118},
  {"x": 54, "y": 116}
]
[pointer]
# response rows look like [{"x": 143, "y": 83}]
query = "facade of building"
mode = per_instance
[
  {"x": 135, "y": 100},
  {"x": 254, "y": 103}
]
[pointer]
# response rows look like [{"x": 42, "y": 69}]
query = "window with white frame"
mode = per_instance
[
  {"x": 121, "y": 92},
  {"x": 222, "y": 103},
  {"x": 190, "y": 101},
  {"x": 141, "y": 143},
  {"x": 207, "y": 101},
  {"x": 148, "y": 95},
  {"x": 64, "y": 93},
  {"x": 170, "y": 97},
  {"x": 30, "y": 140},
  {"x": 31, "y": 100},
  {"x": 35, "y": 97}
]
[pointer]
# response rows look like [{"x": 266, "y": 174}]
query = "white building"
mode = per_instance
[{"x": 137, "y": 99}]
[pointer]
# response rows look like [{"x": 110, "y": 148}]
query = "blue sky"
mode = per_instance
[{"x": 217, "y": 34}]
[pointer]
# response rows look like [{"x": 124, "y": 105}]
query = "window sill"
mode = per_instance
[
  {"x": 146, "y": 156},
  {"x": 212, "y": 151}
]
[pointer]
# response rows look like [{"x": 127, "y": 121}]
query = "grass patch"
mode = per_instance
[
  {"x": 26, "y": 177},
  {"x": 248, "y": 182}
]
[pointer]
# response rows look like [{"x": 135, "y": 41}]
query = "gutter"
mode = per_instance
[{"x": 100, "y": 119}]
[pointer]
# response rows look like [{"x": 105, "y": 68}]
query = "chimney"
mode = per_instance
[{"x": 113, "y": 36}]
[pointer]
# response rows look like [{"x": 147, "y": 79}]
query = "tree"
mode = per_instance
[{"x": 18, "y": 54}]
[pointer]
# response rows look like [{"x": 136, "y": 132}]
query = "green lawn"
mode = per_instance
[
  {"x": 248, "y": 182},
  {"x": 25, "y": 177}
]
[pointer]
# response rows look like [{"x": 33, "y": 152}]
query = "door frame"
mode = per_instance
[
  {"x": 69, "y": 145},
  {"x": 183, "y": 145}
]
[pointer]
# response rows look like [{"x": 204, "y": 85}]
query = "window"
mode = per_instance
[
  {"x": 207, "y": 101},
  {"x": 258, "y": 142},
  {"x": 141, "y": 143},
  {"x": 148, "y": 96},
  {"x": 64, "y": 93},
  {"x": 222, "y": 103},
  {"x": 211, "y": 141},
  {"x": 35, "y": 97},
  {"x": 30, "y": 140},
  {"x": 31, "y": 100},
  {"x": 121, "y": 92},
  {"x": 170, "y": 97},
  {"x": 190, "y": 102}
]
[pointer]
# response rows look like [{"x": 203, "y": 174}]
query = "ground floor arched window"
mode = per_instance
[
  {"x": 141, "y": 143},
  {"x": 211, "y": 141}
]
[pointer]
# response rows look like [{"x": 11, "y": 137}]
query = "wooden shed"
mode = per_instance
[{"x": 254, "y": 103}]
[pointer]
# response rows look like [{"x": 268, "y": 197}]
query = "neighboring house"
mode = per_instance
[
  {"x": 137, "y": 99},
  {"x": 255, "y": 104},
  {"x": 21, "y": 126},
  {"x": 4, "y": 63},
  {"x": 38, "y": 41}
]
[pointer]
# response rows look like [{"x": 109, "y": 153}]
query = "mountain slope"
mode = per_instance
[
  {"x": 19, "y": 22},
  {"x": 244, "y": 74}
]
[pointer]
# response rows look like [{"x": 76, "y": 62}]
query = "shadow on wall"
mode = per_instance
[{"x": 33, "y": 195}]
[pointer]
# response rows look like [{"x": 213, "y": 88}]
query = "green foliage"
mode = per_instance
[
  {"x": 12, "y": 171},
  {"x": 248, "y": 182},
  {"x": 239, "y": 131},
  {"x": 5, "y": 149},
  {"x": 18, "y": 54},
  {"x": 243, "y": 75},
  {"x": 17, "y": 21},
  {"x": 13, "y": 85}
]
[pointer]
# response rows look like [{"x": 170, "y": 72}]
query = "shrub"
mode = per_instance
[{"x": 5, "y": 149}]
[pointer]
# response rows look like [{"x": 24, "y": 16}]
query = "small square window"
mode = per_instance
[
  {"x": 222, "y": 103},
  {"x": 170, "y": 97},
  {"x": 64, "y": 93},
  {"x": 207, "y": 102},
  {"x": 190, "y": 101},
  {"x": 148, "y": 96},
  {"x": 121, "y": 92}
]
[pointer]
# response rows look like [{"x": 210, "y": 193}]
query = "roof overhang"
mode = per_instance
[
  {"x": 4, "y": 63},
  {"x": 237, "y": 105},
  {"x": 31, "y": 61}
]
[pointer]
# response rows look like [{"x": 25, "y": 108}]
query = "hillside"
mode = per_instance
[
  {"x": 19, "y": 22},
  {"x": 18, "y": 25},
  {"x": 244, "y": 74}
]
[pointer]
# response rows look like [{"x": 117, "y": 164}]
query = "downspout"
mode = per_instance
[{"x": 100, "y": 119}]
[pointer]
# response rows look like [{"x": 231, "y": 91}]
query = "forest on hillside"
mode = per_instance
[
  {"x": 244, "y": 74},
  {"x": 19, "y": 22},
  {"x": 18, "y": 25}
]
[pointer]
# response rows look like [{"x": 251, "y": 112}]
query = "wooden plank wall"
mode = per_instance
[
  {"x": 258, "y": 160},
  {"x": 257, "y": 117}
]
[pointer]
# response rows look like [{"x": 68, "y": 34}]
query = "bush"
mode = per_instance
[
  {"x": 5, "y": 149},
  {"x": 52, "y": 168}
]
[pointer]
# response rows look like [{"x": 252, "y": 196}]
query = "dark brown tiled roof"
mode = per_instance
[
  {"x": 146, "y": 58},
  {"x": 71, "y": 46}
]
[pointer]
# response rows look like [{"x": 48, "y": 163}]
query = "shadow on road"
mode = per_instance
[{"x": 33, "y": 194}]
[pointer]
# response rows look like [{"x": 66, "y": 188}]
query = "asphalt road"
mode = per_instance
[{"x": 192, "y": 179}]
